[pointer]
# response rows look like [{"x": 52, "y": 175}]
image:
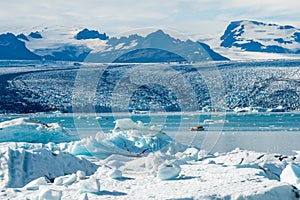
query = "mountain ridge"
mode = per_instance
[{"x": 92, "y": 46}]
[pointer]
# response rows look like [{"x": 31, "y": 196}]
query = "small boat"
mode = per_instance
[{"x": 197, "y": 128}]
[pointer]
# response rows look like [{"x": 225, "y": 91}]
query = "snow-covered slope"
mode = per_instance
[{"x": 256, "y": 36}]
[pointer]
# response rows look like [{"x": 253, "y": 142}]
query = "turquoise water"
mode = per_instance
[{"x": 265, "y": 132}]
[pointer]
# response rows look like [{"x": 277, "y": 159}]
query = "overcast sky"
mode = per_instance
[{"x": 196, "y": 18}]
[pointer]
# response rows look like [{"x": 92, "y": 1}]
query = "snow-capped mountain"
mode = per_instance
[
  {"x": 155, "y": 47},
  {"x": 261, "y": 37},
  {"x": 60, "y": 43}
]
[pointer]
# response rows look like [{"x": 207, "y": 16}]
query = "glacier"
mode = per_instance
[{"x": 50, "y": 87}]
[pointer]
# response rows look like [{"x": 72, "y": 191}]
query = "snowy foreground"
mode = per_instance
[{"x": 133, "y": 162}]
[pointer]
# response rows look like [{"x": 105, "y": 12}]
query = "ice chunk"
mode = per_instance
[
  {"x": 35, "y": 184},
  {"x": 91, "y": 185},
  {"x": 135, "y": 137},
  {"x": 291, "y": 174},
  {"x": 58, "y": 181},
  {"x": 80, "y": 175},
  {"x": 70, "y": 180},
  {"x": 127, "y": 124},
  {"x": 79, "y": 147},
  {"x": 115, "y": 174},
  {"x": 128, "y": 138},
  {"x": 154, "y": 160},
  {"x": 168, "y": 170},
  {"x": 189, "y": 154},
  {"x": 34, "y": 131},
  {"x": 250, "y": 109},
  {"x": 47, "y": 194},
  {"x": 22, "y": 166}
]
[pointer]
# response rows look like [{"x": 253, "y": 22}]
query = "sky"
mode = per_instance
[{"x": 194, "y": 18}]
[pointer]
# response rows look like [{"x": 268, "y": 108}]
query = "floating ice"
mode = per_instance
[
  {"x": 277, "y": 109},
  {"x": 128, "y": 138},
  {"x": 210, "y": 121},
  {"x": 34, "y": 131},
  {"x": 259, "y": 109},
  {"x": 250, "y": 109}
]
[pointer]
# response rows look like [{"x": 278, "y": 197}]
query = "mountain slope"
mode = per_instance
[
  {"x": 261, "y": 37},
  {"x": 11, "y": 48}
]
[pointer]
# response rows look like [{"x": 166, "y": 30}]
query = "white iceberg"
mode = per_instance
[
  {"x": 291, "y": 174},
  {"x": 250, "y": 109},
  {"x": 19, "y": 167}
]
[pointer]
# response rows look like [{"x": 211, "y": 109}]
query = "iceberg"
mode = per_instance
[
  {"x": 19, "y": 167},
  {"x": 127, "y": 138},
  {"x": 250, "y": 109},
  {"x": 33, "y": 131},
  {"x": 291, "y": 174}
]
